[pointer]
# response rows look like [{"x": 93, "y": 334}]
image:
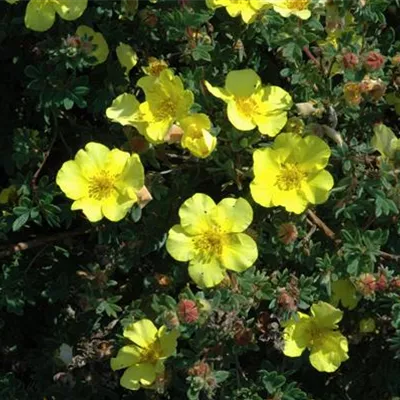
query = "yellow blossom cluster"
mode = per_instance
[
  {"x": 166, "y": 103},
  {"x": 250, "y": 9}
]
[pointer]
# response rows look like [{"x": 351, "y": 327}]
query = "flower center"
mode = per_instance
[
  {"x": 297, "y": 4},
  {"x": 209, "y": 244},
  {"x": 166, "y": 109},
  {"x": 155, "y": 67},
  {"x": 152, "y": 353},
  {"x": 101, "y": 185},
  {"x": 246, "y": 105},
  {"x": 290, "y": 177}
]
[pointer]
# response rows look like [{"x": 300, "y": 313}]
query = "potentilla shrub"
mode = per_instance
[{"x": 200, "y": 199}]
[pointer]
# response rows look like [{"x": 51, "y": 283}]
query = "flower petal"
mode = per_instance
[
  {"x": 313, "y": 153},
  {"x": 207, "y": 274},
  {"x": 329, "y": 352},
  {"x": 126, "y": 56},
  {"x": 142, "y": 332},
  {"x": 293, "y": 200},
  {"x": 239, "y": 252},
  {"x": 116, "y": 207},
  {"x": 271, "y": 124},
  {"x": 126, "y": 357},
  {"x": 124, "y": 110},
  {"x": 232, "y": 215},
  {"x": 180, "y": 245},
  {"x": 343, "y": 291},
  {"x": 70, "y": 9},
  {"x": 325, "y": 315},
  {"x": 317, "y": 187},
  {"x": 71, "y": 181},
  {"x": 238, "y": 119},
  {"x": 195, "y": 213},
  {"x": 144, "y": 373},
  {"x": 296, "y": 335},
  {"x": 90, "y": 207},
  {"x": 217, "y": 92},
  {"x": 168, "y": 341},
  {"x": 242, "y": 83},
  {"x": 38, "y": 16},
  {"x": 133, "y": 173}
]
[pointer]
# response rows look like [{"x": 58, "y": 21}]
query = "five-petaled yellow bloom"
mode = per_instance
[
  {"x": 196, "y": 135},
  {"x": 102, "y": 182},
  {"x": 317, "y": 333},
  {"x": 211, "y": 238},
  {"x": 144, "y": 359},
  {"x": 247, "y": 9},
  {"x": 344, "y": 292},
  {"x": 93, "y": 44},
  {"x": 291, "y": 173},
  {"x": 166, "y": 102},
  {"x": 251, "y": 105},
  {"x": 286, "y": 8},
  {"x": 41, "y": 14}
]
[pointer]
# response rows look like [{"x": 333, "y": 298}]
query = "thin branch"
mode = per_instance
[
  {"x": 328, "y": 232},
  {"x": 21, "y": 246},
  {"x": 311, "y": 56},
  {"x": 321, "y": 224}
]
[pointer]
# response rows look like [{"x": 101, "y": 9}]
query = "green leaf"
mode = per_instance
[{"x": 20, "y": 221}]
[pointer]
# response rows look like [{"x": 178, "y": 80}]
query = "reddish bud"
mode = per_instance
[
  {"x": 382, "y": 282},
  {"x": 171, "y": 320},
  {"x": 373, "y": 60},
  {"x": 366, "y": 284},
  {"x": 163, "y": 280},
  {"x": 148, "y": 17},
  {"x": 188, "y": 311},
  {"x": 73, "y": 41},
  {"x": 350, "y": 60},
  {"x": 286, "y": 300},
  {"x": 395, "y": 282},
  {"x": 243, "y": 336},
  {"x": 287, "y": 233},
  {"x": 200, "y": 368}
]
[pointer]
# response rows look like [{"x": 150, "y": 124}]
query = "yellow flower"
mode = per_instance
[
  {"x": 93, "y": 43},
  {"x": 386, "y": 142},
  {"x": 129, "y": 8},
  {"x": 102, "y": 182},
  {"x": 210, "y": 237},
  {"x": 8, "y": 194},
  {"x": 127, "y": 57},
  {"x": 317, "y": 333},
  {"x": 251, "y": 105},
  {"x": 41, "y": 14},
  {"x": 197, "y": 137},
  {"x": 344, "y": 291},
  {"x": 144, "y": 359},
  {"x": 166, "y": 102},
  {"x": 286, "y": 8},
  {"x": 155, "y": 66},
  {"x": 291, "y": 173},
  {"x": 248, "y": 9}
]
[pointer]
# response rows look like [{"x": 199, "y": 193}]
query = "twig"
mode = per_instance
[
  {"x": 21, "y": 246},
  {"x": 311, "y": 56},
  {"x": 45, "y": 157},
  {"x": 309, "y": 233},
  {"x": 328, "y": 232},
  {"x": 389, "y": 256},
  {"x": 321, "y": 224}
]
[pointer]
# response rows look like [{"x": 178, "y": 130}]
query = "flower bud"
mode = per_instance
[
  {"x": 382, "y": 282},
  {"x": 350, "y": 60},
  {"x": 171, "y": 320},
  {"x": 373, "y": 61},
  {"x": 286, "y": 300},
  {"x": 396, "y": 60},
  {"x": 200, "y": 368},
  {"x": 395, "y": 282},
  {"x": 287, "y": 233},
  {"x": 188, "y": 311},
  {"x": 366, "y": 284}
]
